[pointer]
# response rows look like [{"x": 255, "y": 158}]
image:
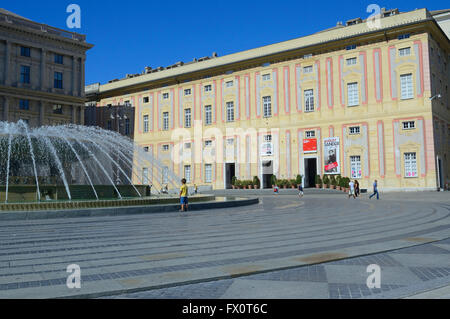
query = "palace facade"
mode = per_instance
[{"x": 360, "y": 100}]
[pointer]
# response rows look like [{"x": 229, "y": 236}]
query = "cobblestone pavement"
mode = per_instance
[{"x": 318, "y": 246}]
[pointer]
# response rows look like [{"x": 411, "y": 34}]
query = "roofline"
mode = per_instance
[{"x": 358, "y": 30}]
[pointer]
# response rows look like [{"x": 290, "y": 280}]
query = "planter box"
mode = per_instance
[
  {"x": 325, "y": 186},
  {"x": 255, "y": 187},
  {"x": 317, "y": 185}
]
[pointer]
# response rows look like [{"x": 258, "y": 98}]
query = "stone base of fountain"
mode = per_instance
[
  {"x": 88, "y": 204},
  {"x": 27, "y": 193}
]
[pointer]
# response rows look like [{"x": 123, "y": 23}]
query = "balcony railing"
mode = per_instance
[{"x": 41, "y": 27}]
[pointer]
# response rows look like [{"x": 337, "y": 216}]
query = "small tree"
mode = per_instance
[
  {"x": 273, "y": 180},
  {"x": 256, "y": 182},
  {"x": 318, "y": 181},
  {"x": 299, "y": 179},
  {"x": 333, "y": 181},
  {"x": 326, "y": 181},
  {"x": 233, "y": 180}
]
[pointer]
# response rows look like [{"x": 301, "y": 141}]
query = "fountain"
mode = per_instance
[{"x": 72, "y": 162}]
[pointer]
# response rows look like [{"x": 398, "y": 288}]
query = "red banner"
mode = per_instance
[{"x": 310, "y": 145}]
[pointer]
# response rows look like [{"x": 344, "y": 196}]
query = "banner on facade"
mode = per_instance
[
  {"x": 309, "y": 145},
  {"x": 266, "y": 149},
  {"x": 331, "y": 154}
]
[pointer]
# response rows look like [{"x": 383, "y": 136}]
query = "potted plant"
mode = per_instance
[
  {"x": 318, "y": 181},
  {"x": 256, "y": 182},
  {"x": 326, "y": 181},
  {"x": 238, "y": 184},
  {"x": 333, "y": 182},
  {"x": 338, "y": 182},
  {"x": 298, "y": 180},
  {"x": 233, "y": 182},
  {"x": 273, "y": 180},
  {"x": 250, "y": 184},
  {"x": 293, "y": 183}
]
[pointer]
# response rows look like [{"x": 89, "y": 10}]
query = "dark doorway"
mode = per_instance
[
  {"x": 267, "y": 173},
  {"x": 229, "y": 174},
  {"x": 310, "y": 172},
  {"x": 441, "y": 175}
]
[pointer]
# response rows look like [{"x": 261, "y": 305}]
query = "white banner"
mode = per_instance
[{"x": 331, "y": 155}]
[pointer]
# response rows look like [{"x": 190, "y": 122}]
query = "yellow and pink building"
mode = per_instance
[{"x": 368, "y": 102}]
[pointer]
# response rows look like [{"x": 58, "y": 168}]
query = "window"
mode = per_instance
[
  {"x": 165, "y": 147},
  {"x": 165, "y": 175},
  {"x": 403, "y": 36},
  {"x": 25, "y": 51},
  {"x": 165, "y": 96},
  {"x": 352, "y": 94},
  {"x": 404, "y": 51},
  {"x": 187, "y": 118},
  {"x": 409, "y": 125},
  {"x": 57, "y": 109},
  {"x": 146, "y": 99},
  {"x": 166, "y": 121},
  {"x": 307, "y": 56},
  {"x": 145, "y": 175},
  {"x": 229, "y": 84},
  {"x": 309, "y": 100},
  {"x": 208, "y": 88},
  {"x": 25, "y": 74},
  {"x": 410, "y": 165},
  {"x": 208, "y": 173},
  {"x": 230, "y": 111},
  {"x": 187, "y": 92},
  {"x": 146, "y": 123},
  {"x": 208, "y": 143},
  {"x": 267, "y": 106},
  {"x": 230, "y": 141},
  {"x": 351, "y": 61},
  {"x": 127, "y": 103},
  {"x": 310, "y": 134},
  {"x": 58, "y": 83},
  {"x": 109, "y": 125},
  {"x": 406, "y": 86},
  {"x": 208, "y": 115},
  {"x": 266, "y": 77},
  {"x": 355, "y": 130},
  {"x": 308, "y": 69},
  {"x": 59, "y": 59},
  {"x": 187, "y": 146},
  {"x": 24, "y": 105},
  {"x": 355, "y": 166},
  {"x": 127, "y": 126},
  {"x": 350, "y": 47},
  {"x": 268, "y": 138},
  {"x": 187, "y": 173},
  {"x": 146, "y": 149}
]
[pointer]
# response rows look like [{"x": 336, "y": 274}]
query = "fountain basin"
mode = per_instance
[{"x": 94, "y": 208}]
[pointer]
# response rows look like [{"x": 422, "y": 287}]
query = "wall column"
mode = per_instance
[
  {"x": 5, "y": 108},
  {"x": 43, "y": 64},
  {"x": 7, "y": 63}
]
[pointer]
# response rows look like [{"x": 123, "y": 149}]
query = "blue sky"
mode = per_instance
[{"x": 129, "y": 35}]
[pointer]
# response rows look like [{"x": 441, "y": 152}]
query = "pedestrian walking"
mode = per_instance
[
  {"x": 276, "y": 189},
  {"x": 300, "y": 190},
  {"x": 183, "y": 195},
  {"x": 351, "y": 192},
  {"x": 195, "y": 189},
  {"x": 356, "y": 188},
  {"x": 375, "y": 190}
]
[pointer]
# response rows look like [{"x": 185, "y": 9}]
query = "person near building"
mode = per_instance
[
  {"x": 351, "y": 192},
  {"x": 183, "y": 196},
  {"x": 375, "y": 190}
]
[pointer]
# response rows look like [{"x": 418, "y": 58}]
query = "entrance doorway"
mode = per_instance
[
  {"x": 440, "y": 174},
  {"x": 230, "y": 170},
  {"x": 310, "y": 172},
  {"x": 267, "y": 173}
]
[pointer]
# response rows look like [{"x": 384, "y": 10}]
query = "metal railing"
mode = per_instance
[{"x": 41, "y": 27}]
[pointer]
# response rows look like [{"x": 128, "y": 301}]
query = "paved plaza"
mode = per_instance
[{"x": 318, "y": 246}]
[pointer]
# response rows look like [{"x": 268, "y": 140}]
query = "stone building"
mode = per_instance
[{"x": 42, "y": 75}]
